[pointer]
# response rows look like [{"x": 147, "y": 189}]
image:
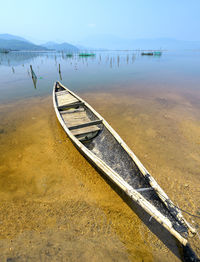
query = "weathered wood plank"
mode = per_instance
[
  {"x": 65, "y": 99},
  {"x": 70, "y": 105},
  {"x": 87, "y": 136},
  {"x": 77, "y": 115},
  {"x": 72, "y": 111},
  {"x": 76, "y": 118},
  {"x": 77, "y": 121},
  {"x": 80, "y": 123},
  {"x": 60, "y": 93},
  {"x": 91, "y": 123},
  {"x": 85, "y": 130}
]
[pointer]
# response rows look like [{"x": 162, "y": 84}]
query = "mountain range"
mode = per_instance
[
  {"x": 12, "y": 37},
  {"x": 98, "y": 42},
  {"x": 12, "y": 42},
  {"x": 60, "y": 47}
]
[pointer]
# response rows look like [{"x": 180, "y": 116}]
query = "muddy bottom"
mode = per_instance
[{"x": 56, "y": 207}]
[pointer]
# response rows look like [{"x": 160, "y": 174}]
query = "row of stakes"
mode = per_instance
[{"x": 34, "y": 77}]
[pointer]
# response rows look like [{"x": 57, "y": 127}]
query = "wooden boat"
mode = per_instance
[
  {"x": 86, "y": 54},
  {"x": 155, "y": 53},
  {"x": 147, "y": 53},
  {"x": 97, "y": 140}
]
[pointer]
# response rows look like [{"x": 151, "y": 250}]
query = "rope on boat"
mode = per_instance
[
  {"x": 190, "y": 214},
  {"x": 150, "y": 218},
  {"x": 150, "y": 188},
  {"x": 185, "y": 211}
]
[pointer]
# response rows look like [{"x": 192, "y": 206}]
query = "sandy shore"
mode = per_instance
[{"x": 55, "y": 206}]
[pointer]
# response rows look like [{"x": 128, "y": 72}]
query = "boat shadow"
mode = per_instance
[
  {"x": 184, "y": 253},
  {"x": 156, "y": 228}
]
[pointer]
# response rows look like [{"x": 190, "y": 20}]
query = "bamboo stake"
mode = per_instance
[
  {"x": 33, "y": 73},
  {"x": 34, "y": 77}
]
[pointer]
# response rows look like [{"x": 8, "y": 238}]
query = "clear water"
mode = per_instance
[
  {"x": 54, "y": 205},
  {"x": 106, "y": 70}
]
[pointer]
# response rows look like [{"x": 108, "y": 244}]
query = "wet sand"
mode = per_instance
[{"x": 56, "y": 207}]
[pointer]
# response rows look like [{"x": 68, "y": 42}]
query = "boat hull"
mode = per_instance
[{"x": 97, "y": 143}]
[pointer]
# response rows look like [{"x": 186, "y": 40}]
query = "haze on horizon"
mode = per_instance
[{"x": 75, "y": 22}]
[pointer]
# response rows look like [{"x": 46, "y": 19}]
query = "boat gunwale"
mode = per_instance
[{"x": 130, "y": 191}]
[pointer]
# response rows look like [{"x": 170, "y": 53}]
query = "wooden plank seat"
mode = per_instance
[
  {"x": 91, "y": 123},
  {"x": 65, "y": 99},
  {"x": 79, "y": 123},
  {"x": 85, "y": 130},
  {"x": 62, "y": 92},
  {"x": 70, "y": 105},
  {"x": 72, "y": 110}
]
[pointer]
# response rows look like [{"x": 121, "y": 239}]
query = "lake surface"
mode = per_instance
[
  {"x": 54, "y": 205},
  {"x": 106, "y": 70}
]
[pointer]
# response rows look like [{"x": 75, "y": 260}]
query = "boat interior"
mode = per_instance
[{"x": 94, "y": 135}]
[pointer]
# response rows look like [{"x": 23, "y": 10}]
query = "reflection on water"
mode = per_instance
[
  {"x": 53, "y": 203},
  {"x": 34, "y": 82},
  {"x": 105, "y": 70},
  {"x": 17, "y": 58}
]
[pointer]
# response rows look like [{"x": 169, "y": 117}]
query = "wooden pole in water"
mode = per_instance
[
  {"x": 60, "y": 72},
  {"x": 33, "y": 73},
  {"x": 34, "y": 77},
  {"x": 31, "y": 70}
]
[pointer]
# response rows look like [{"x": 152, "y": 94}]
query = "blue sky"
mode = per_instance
[{"x": 73, "y": 21}]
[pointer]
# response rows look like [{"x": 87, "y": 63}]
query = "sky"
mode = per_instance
[{"x": 75, "y": 20}]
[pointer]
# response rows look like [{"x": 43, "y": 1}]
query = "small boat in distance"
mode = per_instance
[
  {"x": 105, "y": 149},
  {"x": 147, "y": 53},
  {"x": 86, "y": 54},
  {"x": 69, "y": 55},
  {"x": 155, "y": 53}
]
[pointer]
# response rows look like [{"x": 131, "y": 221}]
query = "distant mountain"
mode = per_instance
[
  {"x": 19, "y": 45},
  {"x": 114, "y": 42},
  {"x": 12, "y": 37},
  {"x": 98, "y": 42},
  {"x": 12, "y": 42},
  {"x": 60, "y": 47}
]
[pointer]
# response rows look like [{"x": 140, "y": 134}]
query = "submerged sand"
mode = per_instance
[{"x": 56, "y": 207}]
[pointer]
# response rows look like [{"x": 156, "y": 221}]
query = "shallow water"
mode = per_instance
[{"x": 56, "y": 206}]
